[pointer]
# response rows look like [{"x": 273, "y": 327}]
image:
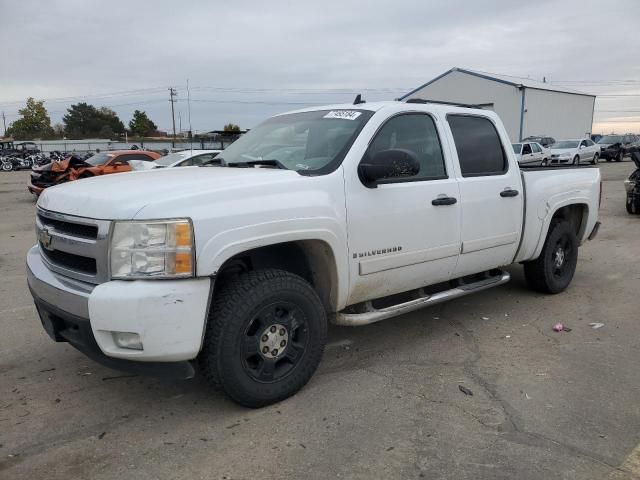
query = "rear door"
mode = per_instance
[
  {"x": 527, "y": 154},
  {"x": 492, "y": 203}
]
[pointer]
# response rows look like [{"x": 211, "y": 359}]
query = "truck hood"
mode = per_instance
[{"x": 124, "y": 195}]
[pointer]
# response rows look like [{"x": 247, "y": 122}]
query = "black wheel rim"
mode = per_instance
[
  {"x": 562, "y": 257},
  {"x": 265, "y": 358}
]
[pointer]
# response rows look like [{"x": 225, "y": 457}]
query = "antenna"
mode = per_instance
[
  {"x": 358, "y": 100},
  {"x": 189, "y": 116}
]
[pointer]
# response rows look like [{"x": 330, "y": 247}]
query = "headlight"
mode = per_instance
[{"x": 157, "y": 249}]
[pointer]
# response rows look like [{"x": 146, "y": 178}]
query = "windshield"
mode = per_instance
[
  {"x": 305, "y": 142},
  {"x": 566, "y": 144},
  {"x": 516, "y": 147},
  {"x": 608, "y": 139},
  {"x": 170, "y": 159},
  {"x": 99, "y": 159}
]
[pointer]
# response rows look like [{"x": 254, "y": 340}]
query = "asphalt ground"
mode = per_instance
[{"x": 385, "y": 402}]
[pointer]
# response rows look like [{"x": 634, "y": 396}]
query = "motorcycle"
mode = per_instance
[
  {"x": 5, "y": 164},
  {"x": 632, "y": 186},
  {"x": 16, "y": 162}
]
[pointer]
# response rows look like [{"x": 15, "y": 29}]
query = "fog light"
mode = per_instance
[{"x": 127, "y": 340}]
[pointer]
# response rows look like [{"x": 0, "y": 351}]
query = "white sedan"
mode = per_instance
[
  {"x": 186, "y": 158},
  {"x": 575, "y": 152},
  {"x": 530, "y": 153}
]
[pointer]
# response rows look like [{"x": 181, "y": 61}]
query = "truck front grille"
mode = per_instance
[
  {"x": 73, "y": 229},
  {"x": 76, "y": 247},
  {"x": 79, "y": 263}
]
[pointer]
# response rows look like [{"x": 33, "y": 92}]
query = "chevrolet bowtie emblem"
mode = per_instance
[{"x": 45, "y": 238}]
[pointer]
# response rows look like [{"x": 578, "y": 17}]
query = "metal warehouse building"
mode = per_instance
[{"x": 526, "y": 107}]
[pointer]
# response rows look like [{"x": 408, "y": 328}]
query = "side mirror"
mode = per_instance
[
  {"x": 581, "y": 147},
  {"x": 392, "y": 163}
]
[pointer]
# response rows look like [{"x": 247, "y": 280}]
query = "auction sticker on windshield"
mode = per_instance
[{"x": 343, "y": 114}]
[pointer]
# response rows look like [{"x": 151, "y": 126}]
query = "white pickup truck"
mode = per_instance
[{"x": 350, "y": 213}]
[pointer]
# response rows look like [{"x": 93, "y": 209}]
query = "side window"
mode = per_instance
[
  {"x": 478, "y": 145},
  {"x": 590, "y": 143},
  {"x": 416, "y": 132},
  {"x": 201, "y": 159},
  {"x": 536, "y": 148},
  {"x": 583, "y": 143},
  {"x": 526, "y": 149},
  {"x": 131, "y": 156}
]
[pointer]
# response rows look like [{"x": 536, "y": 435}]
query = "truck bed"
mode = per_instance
[{"x": 547, "y": 187}]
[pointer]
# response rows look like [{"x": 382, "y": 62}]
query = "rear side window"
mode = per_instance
[
  {"x": 134, "y": 156},
  {"x": 478, "y": 145}
]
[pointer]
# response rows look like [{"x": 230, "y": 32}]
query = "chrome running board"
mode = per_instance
[{"x": 372, "y": 314}]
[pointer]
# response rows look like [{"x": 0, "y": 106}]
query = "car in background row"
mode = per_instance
[
  {"x": 75, "y": 168},
  {"x": 542, "y": 140},
  {"x": 187, "y": 158},
  {"x": 530, "y": 153},
  {"x": 574, "y": 151},
  {"x": 616, "y": 147}
]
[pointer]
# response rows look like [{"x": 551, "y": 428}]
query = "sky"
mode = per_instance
[{"x": 244, "y": 61}]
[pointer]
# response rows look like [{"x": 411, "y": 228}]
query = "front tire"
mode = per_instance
[
  {"x": 620, "y": 156},
  {"x": 7, "y": 166},
  {"x": 595, "y": 160},
  {"x": 264, "y": 338},
  {"x": 576, "y": 160},
  {"x": 553, "y": 270}
]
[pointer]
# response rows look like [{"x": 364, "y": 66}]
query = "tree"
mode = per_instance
[
  {"x": 35, "y": 122},
  {"x": 110, "y": 118},
  {"x": 85, "y": 121},
  {"x": 141, "y": 125},
  {"x": 231, "y": 128},
  {"x": 58, "y": 130}
]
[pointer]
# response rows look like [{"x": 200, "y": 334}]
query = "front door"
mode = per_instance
[
  {"x": 492, "y": 203},
  {"x": 405, "y": 233}
]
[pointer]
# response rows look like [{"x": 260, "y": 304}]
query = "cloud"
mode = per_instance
[{"x": 284, "y": 53}]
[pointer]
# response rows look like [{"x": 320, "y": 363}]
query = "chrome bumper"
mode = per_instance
[{"x": 71, "y": 296}]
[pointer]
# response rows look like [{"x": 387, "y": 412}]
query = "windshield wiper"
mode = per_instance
[{"x": 251, "y": 163}]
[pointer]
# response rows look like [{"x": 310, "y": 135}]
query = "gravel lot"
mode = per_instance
[{"x": 385, "y": 402}]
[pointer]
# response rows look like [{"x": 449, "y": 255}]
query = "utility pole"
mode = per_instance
[
  {"x": 172, "y": 95},
  {"x": 4, "y": 122}
]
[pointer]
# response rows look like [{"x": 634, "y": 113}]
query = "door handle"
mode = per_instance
[
  {"x": 443, "y": 201},
  {"x": 509, "y": 192}
]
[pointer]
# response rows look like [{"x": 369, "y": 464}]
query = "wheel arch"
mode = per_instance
[
  {"x": 576, "y": 213},
  {"x": 312, "y": 259}
]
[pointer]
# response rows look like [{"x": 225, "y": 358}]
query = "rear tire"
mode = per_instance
[
  {"x": 264, "y": 338},
  {"x": 553, "y": 270},
  {"x": 620, "y": 156}
]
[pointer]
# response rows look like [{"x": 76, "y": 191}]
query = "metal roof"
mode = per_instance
[{"x": 506, "y": 79}]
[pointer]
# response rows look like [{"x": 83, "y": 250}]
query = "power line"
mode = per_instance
[{"x": 123, "y": 93}]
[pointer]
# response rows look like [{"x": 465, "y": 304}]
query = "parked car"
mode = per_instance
[
  {"x": 187, "y": 158},
  {"x": 632, "y": 185},
  {"x": 323, "y": 213},
  {"x": 616, "y": 147},
  {"x": 530, "y": 153},
  {"x": 544, "y": 141},
  {"x": 74, "y": 168},
  {"x": 596, "y": 137},
  {"x": 575, "y": 151}
]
